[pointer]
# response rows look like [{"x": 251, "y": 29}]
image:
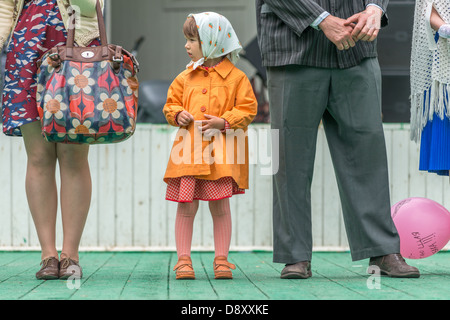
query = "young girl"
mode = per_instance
[
  {"x": 430, "y": 76},
  {"x": 35, "y": 26},
  {"x": 210, "y": 101}
]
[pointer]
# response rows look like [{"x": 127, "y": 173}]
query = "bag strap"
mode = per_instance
[{"x": 101, "y": 27}]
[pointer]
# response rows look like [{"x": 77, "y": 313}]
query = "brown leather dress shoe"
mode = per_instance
[
  {"x": 69, "y": 268},
  {"x": 49, "y": 269},
  {"x": 299, "y": 270},
  {"x": 393, "y": 265}
]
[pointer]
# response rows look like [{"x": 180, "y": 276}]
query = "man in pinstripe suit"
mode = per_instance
[{"x": 322, "y": 65}]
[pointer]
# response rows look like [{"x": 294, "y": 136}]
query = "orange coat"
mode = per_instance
[{"x": 223, "y": 91}]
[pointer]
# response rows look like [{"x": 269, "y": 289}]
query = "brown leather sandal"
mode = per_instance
[
  {"x": 222, "y": 268},
  {"x": 183, "y": 269}
]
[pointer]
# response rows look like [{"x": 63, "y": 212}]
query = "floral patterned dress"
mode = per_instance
[{"x": 39, "y": 28}]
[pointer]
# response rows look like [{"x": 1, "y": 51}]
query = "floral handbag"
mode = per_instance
[{"x": 87, "y": 94}]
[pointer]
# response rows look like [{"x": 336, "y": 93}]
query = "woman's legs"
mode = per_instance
[
  {"x": 42, "y": 193},
  {"x": 221, "y": 215},
  {"x": 76, "y": 187},
  {"x": 40, "y": 186},
  {"x": 184, "y": 226}
]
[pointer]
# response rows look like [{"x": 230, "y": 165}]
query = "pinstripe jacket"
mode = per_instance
[{"x": 285, "y": 34}]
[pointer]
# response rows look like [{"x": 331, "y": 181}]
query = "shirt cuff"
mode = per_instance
[
  {"x": 373, "y": 4},
  {"x": 319, "y": 19}
]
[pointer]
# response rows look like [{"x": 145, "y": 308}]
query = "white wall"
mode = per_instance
[{"x": 129, "y": 211}]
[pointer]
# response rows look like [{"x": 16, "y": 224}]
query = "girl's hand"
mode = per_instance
[
  {"x": 184, "y": 118},
  {"x": 212, "y": 123}
]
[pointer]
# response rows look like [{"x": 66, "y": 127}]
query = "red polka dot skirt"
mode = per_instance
[{"x": 188, "y": 188}]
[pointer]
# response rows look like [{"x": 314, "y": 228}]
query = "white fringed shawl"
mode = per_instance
[{"x": 430, "y": 67}]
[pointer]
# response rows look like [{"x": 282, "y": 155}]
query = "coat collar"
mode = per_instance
[{"x": 223, "y": 69}]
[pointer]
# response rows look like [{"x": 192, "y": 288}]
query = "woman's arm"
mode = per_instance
[
  {"x": 87, "y": 7},
  {"x": 436, "y": 20},
  {"x": 6, "y": 20}
]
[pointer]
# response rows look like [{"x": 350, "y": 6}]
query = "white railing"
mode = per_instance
[{"x": 129, "y": 210}]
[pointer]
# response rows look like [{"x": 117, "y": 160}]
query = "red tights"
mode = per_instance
[{"x": 184, "y": 225}]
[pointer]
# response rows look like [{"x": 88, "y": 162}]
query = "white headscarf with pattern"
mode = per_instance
[{"x": 217, "y": 37}]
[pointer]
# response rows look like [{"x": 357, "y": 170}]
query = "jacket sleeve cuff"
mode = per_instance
[
  {"x": 298, "y": 15},
  {"x": 171, "y": 114},
  {"x": 237, "y": 119}
]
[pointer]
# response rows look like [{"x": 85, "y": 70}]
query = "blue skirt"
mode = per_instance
[
  {"x": 435, "y": 146},
  {"x": 434, "y": 143}
]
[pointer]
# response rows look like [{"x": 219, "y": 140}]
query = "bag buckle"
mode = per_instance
[{"x": 54, "y": 56}]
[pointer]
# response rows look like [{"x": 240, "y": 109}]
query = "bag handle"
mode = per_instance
[{"x": 101, "y": 27}]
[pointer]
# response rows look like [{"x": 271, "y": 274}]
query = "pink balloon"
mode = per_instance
[{"x": 423, "y": 226}]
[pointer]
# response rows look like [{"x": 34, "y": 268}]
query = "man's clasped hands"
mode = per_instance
[{"x": 364, "y": 26}]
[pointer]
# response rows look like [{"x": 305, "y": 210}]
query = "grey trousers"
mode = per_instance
[{"x": 348, "y": 101}]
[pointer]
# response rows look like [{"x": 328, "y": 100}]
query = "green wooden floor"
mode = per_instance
[{"x": 149, "y": 276}]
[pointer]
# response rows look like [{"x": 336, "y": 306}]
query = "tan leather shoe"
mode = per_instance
[
  {"x": 393, "y": 265},
  {"x": 299, "y": 270},
  {"x": 222, "y": 268},
  {"x": 69, "y": 268},
  {"x": 183, "y": 269},
  {"x": 49, "y": 269}
]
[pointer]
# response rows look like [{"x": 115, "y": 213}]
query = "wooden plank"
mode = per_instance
[
  {"x": 388, "y": 140},
  {"x": 266, "y": 162},
  {"x": 203, "y": 236},
  {"x": 6, "y": 194},
  {"x": 159, "y": 207},
  {"x": 107, "y": 195},
  {"x": 331, "y": 203},
  {"x": 244, "y": 226},
  {"x": 263, "y": 211},
  {"x": 317, "y": 196},
  {"x": 142, "y": 186},
  {"x": 149, "y": 277},
  {"x": 417, "y": 184},
  {"x": 400, "y": 161},
  {"x": 21, "y": 221},
  {"x": 90, "y": 232},
  {"x": 124, "y": 173}
]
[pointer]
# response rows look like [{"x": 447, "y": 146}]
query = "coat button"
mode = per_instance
[
  {"x": 206, "y": 73},
  {"x": 204, "y": 91},
  {"x": 202, "y": 109}
]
